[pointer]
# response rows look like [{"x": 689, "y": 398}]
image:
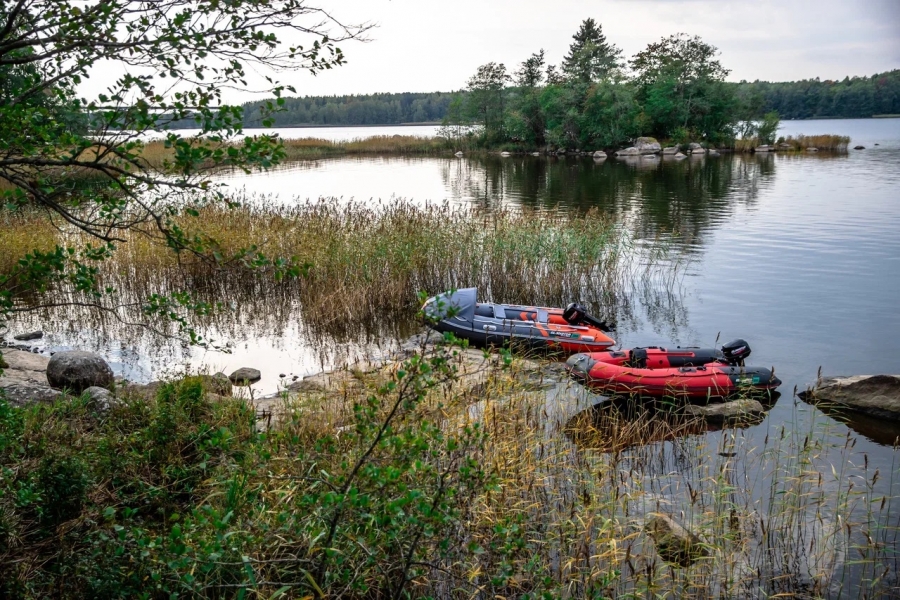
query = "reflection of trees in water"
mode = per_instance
[{"x": 653, "y": 196}]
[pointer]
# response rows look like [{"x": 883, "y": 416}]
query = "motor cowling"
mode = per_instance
[
  {"x": 736, "y": 351},
  {"x": 576, "y": 314}
]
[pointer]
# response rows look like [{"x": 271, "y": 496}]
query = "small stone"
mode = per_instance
[
  {"x": 282, "y": 375},
  {"x": 245, "y": 376},
  {"x": 77, "y": 370},
  {"x": 811, "y": 149},
  {"x": 27, "y": 337},
  {"x": 459, "y": 154},
  {"x": 600, "y": 155},
  {"x": 505, "y": 153}
]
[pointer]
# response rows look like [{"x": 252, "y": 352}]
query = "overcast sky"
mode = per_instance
[{"x": 427, "y": 45}]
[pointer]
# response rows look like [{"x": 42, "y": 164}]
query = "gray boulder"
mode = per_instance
[
  {"x": 560, "y": 151},
  {"x": 859, "y": 147},
  {"x": 876, "y": 395},
  {"x": 671, "y": 150},
  {"x": 647, "y": 145},
  {"x": 77, "y": 370},
  {"x": 713, "y": 152},
  {"x": 535, "y": 153},
  {"x": 674, "y": 543},
  {"x": 679, "y": 155},
  {"x": 811, "y": 149},
  {"x": 459, "y": 154},
  {"x": 628, "y": 152},
  {"x": 245, "y": 376},
  {"x": 600, "y": 155},
  {"x": 734, "y": 411},
  {"x": 101, "y": 398},
  {"x": 764, "y": 148},
  {"x": 695, "y": 148},
  {"x": 27, "y": 337},
  {"x": 505, "y": 153}
]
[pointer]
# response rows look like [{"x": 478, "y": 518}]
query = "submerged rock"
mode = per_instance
[
  {"x": 77, "y": 370},
  {"x": 876, "y": 395},
  {"x": 679, "y": 155},
  {"x": 27, "y": 337},
  {"x": 734, "y": 411},
  {"x": 600, "y": 155},
  {"x": 245, "y": 376},
  {"x": 674, "y": 543},
  {"x": 628, "y": 152},
  {"x": 713, "y": 152},
  {"x": 859, "y": 147}
]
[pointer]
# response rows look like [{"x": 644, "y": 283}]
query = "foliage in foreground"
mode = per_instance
[{"x": 404, "y": 484}]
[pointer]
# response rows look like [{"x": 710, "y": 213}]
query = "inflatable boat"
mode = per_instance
[
  {"x": 690, "y": 373},
  {"x": 483, "y": 323}
]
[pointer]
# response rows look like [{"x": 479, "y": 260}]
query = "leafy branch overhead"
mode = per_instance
[{"x": 80, "y": 159}]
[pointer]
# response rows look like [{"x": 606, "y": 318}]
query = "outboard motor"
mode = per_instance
[
  {"x": 576, "y": 314},
  {"x": 736, "y": 351}
]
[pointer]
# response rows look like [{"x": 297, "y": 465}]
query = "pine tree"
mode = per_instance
[{"x": 590, "y": 56}]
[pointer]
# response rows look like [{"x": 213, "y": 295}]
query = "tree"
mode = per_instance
[
  {"x": 177, "y": 57},
  {"x": 528, "y": 108},
  {"x": 486, "y": 98},
  {"x": 681, "y": 85},
  {"x": 590, "y": 56}
]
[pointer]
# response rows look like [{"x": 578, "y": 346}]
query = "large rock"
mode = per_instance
[
  {"x": 670, "y": 150},
  {"x": 77, "y": 370},
  {"x": 764, "y": 148},
  {"x": 245, "y": 376},
  {"x": 628, "y": 152},
  {"x": 859, "y": 147},
  {"x": 695, "y": 148},
  {"x": 679, "y": 155},
  {"x": 647, "y": 145},
  {"x": 24, "y": 379},
  {"x": 734, "y": 411},
  {"x": 599, "y": 155},
  {"x": 876, "y": 395},
  {"x": 674, "y": 543}
]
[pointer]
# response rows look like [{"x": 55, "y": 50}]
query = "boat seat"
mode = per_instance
[{"x": 484, "y": 310}]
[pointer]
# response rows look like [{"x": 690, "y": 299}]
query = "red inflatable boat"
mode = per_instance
[{"x": 683, "y": 372}]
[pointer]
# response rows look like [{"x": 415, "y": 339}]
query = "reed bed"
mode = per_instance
[
  {"x": 368, "y": 263},
  {"x": 827, "y": 143}
]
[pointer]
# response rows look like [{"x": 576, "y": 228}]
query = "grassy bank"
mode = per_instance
[{"x": 406, "y": 483}]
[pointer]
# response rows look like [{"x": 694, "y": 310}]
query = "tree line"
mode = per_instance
[{"x": 674, "y": 89}]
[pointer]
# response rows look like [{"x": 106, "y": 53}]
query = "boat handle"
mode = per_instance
[{"x": 490, "y": 328}]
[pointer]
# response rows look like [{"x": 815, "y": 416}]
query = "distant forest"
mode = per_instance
[{"x": 856, "y": 97}]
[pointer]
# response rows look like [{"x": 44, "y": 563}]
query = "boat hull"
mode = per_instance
[{"x": 714, "y": 380}]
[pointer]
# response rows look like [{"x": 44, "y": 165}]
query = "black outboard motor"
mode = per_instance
[
  {"x": 576, "y": 314},
  {"x": 736, "y": 351}
]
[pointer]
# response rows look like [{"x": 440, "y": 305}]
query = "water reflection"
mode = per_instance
[{"x": 655, "y": 197}]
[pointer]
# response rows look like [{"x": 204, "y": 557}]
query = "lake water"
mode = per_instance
[{"x": 799, "y": 255}]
